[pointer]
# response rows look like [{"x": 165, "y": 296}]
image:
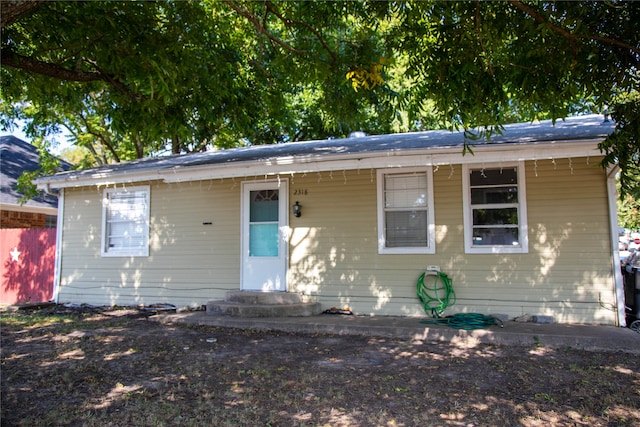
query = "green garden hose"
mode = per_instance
[
  {"x": 435, "y": 291},
  {"x": 466, "y": 321}
]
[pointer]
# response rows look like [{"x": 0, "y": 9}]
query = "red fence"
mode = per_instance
[{"x": 28, "y": 260}]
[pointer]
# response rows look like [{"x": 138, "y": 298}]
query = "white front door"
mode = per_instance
[{"x": 264, "y": 236}]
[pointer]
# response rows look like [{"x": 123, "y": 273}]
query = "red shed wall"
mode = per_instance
[{"x": 28, "y": 261}]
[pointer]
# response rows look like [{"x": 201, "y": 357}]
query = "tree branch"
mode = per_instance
[
  {"x": 315, "y": 32},
  {"x": 261, "y": 28},
  {"x": 14, "y": 60},
  {"x": 13, "y": 10},
  {"x": 572, "y": 38}
]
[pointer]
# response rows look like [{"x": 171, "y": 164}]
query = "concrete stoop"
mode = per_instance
[{"x": 263, "y": 304}]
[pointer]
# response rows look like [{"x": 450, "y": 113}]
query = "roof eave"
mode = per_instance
[
  {"x": 387, "y": 159},
  {"x": 286, "y": 165}
]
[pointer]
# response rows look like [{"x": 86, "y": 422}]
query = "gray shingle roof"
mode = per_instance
[
  {"x": 572, "y": 129},
  {"x": 16, "y": 157}
]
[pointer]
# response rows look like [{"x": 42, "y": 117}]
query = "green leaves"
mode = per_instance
[{"x": 623, "y": 146}]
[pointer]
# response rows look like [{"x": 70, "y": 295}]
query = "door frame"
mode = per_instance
[{"x": 282, "y": 185}]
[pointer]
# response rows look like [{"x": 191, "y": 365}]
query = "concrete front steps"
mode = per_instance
[{"x": 263, "y": 304}]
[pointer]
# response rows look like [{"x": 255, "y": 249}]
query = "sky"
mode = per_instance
[{"x": 56, "y": 150}]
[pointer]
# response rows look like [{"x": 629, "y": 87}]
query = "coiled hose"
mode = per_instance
[{"x": 435, "y": 291}]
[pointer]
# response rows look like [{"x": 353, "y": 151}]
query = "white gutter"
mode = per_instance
[
  {"x": 99, "y": 179},
  {"x": 273, "y": 166},
  {"x": 57, "y": 271},
  {"x": 375, "y": 160},
  {"x": 613, "y": 226}
]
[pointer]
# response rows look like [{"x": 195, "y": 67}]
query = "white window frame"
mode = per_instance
[
  {"x": 431, "y": 228},
  {"x": 142, "y": 250},
  {"x": 521, "y": 205}
]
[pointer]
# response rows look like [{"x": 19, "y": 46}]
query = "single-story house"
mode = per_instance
[{"x": 526, "y": 225}]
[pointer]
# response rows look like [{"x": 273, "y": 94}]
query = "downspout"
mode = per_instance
[{"x": 613, "y": 225}]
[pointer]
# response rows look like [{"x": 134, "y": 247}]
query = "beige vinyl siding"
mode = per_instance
[
  {"x": 566, "y": 273},
  {"x": 189, "y": 263},
  {"x": 333, "y": 252},
  {"x": 334, "y": 248}
]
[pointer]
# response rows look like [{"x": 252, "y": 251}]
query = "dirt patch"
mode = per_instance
[{"x": 78, "y": 367}]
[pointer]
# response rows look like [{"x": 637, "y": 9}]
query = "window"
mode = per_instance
[
  {"x": 405, "y": 212},
  {"x": 494, "y": 209},
  {"x": 125, "y": 224}
]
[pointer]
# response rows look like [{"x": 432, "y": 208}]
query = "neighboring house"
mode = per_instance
[
  {"x": 27, "y": 230},
  {"x": 525, "y": 225},
  {"x": 16, "y": 157}
]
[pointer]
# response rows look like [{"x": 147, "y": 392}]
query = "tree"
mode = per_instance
[
  {"x": 629, "y": 212},
  {"x": 481, "y": 61},
  {"x": 128, "y": 78},
  {"x": 197, "y": 74},
  {"x": 133, "y": 75}
]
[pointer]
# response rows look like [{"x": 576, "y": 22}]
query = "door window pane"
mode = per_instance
[
  {"x": 263, "y": 206},
  {"x": 263, "y": 240},
  {"x": 263, "y": 223}
]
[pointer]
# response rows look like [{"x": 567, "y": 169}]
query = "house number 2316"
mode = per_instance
[{"x": 300, "y": 192}]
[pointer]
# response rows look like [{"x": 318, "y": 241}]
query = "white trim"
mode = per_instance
[
  {"x": 388, "y": 159},
  {"x": 271, "y": 167},
  {"x": 523, "y": 228},
  {"x": 28, "y": 209},
  {"x": 431, "y": 228},
  {"x": 612, "y": 196},
  {"x": 283, "y": 224},
  {"x": 57, "y": 269},
  {"x": 125, "y": 252}
]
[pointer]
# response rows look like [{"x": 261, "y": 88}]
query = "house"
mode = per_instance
[
  {"x": 18, "y": 156},
  {"x": 525, "y": 225},
  {"x": 27, "y": 230}
]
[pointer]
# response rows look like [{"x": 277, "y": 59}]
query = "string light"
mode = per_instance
[
  {"x": 535, "y": 167},
  {"x": 451, "y": 173}
]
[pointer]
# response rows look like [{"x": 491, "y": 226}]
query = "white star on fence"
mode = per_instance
[{"x": 15, "y": 253}]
